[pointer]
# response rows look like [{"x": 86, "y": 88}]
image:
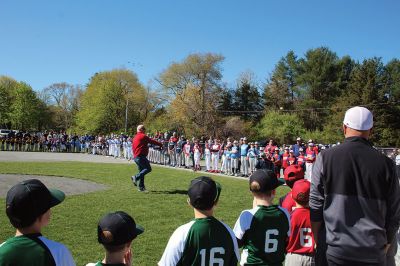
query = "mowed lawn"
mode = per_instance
[{"x": 160, "y": 212}]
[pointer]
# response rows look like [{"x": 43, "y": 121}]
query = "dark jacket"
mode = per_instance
[{"x": 355, "y": 190}]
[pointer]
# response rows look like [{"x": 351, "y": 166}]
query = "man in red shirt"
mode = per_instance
[{"x": 140, "y": 150}]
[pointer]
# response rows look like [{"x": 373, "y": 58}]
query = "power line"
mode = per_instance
[{"x": 310, "y": 109}]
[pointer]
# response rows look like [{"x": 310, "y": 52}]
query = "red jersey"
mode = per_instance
[
  {"x": 291, "y": 160},
  {"x": 140, "y": 144},
  {"x": 285, "y": 157},
  {"x": 301, "y": 240},
  {"x": 288, "y": 202},
  {"x": 277, "y": 159},
  {"x": 301, "y": 160},
  {"x": 311, "y": 154}
]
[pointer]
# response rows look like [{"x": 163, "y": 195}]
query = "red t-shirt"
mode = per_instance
[
  {"x": 285, "y": 157},
  {"x": 140, "y": 144},
  {"x": 301, "y": 160},
  {"x": 288, "y": 202},
  {"x": 301, "y": 240}
]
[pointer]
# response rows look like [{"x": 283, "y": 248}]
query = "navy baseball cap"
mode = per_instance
[
  {"x": 266, "y": 180},
  {"x": 117, "y": 228},
  {"x": 28, "y": 200},
  {"x": 203, "y": 192}
]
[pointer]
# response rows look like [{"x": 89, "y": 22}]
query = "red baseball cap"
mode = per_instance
[
  {"x": 293, "y": 173},
  {"x": 301, "y": 191}
]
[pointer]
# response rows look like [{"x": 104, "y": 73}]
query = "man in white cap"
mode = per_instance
[{"x": 355, "y": 192}]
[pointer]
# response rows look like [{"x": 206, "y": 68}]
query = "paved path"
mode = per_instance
[
  {"x": 70, "y": 186},
  {"x": 15, "y": 156}
]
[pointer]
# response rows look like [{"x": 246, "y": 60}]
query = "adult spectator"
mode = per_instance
[
  {"x": 140, "y": 150},
  {"x": 355, "y": 191},
  {"x": 296, "y": 147}
]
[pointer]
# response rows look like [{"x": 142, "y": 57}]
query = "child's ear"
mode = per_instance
[{"x": 188, "y": 202}]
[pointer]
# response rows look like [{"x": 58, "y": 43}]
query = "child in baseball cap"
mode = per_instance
[
  {"x": 28, "y": 206},
  {"x": 190, "y": 243},
  {"x": 115, "y": 232},
  {"x": 263, "y": 230},
  {"x": 291, "y": 174},
  {"x": 300, "y": 249}
]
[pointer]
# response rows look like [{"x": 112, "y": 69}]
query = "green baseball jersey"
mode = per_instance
[
  {"x": 204, "y": 242},
  {"x": 264, "y": 232},
  {"x": 34, "y": 250}
]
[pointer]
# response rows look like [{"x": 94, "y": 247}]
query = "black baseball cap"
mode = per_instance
[
  {"x": 203, "y": 192},
  {"x": 28, "y": 200},
  {"x": 117, "y": 228},
  {"x": 266, "y": 179}
]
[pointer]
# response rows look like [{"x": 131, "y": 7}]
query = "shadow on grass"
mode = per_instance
[{"x": 175, "y": 191}]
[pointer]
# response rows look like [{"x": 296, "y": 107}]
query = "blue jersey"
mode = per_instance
[
  {"x": 243, "y": 149},
  {"x": 233, "y": 154}
]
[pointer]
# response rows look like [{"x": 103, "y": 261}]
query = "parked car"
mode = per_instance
[{"x": 4, "y": 132}]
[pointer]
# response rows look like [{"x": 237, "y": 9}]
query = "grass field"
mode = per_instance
[{"x": 160, "y": 211}]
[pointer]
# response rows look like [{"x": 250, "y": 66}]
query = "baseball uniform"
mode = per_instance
[
  {"x": 203, "y": 241},
  {"x": 264, "y": 231}
]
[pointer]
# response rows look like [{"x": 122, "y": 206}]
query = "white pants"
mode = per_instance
[
  {"x": 252, "y": 163},
  {"x": 293, "y": 259},
  {"x": 208, "y": 160},
  {"x": 187, "y": 160},
  {"x": 228, "y": 169},
  {"x": 223, "y": 163},
  {"x": 309, "y": 167},
  {"x": 234, "y": 163},
  {"x": 215, "y": 160},
  {"x": 196, "y": 157},
  {"x": 244, "y": 165}
]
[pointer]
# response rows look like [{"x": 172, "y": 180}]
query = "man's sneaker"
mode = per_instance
[
  {"x": 134, "y": 180},
  {"x": 142, "y": 189}
]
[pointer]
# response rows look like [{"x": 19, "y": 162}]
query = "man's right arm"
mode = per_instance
[{"x": 316, "y": 197}]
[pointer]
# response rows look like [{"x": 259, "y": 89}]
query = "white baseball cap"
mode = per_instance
[{"x": 358, "y": 118}]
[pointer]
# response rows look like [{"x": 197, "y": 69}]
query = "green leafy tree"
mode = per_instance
[
  {"x": 108, "y": 96},
  {"x": 25, "y": 109},
  {"x": 282, "y": 90},
  {"x": 247, "y": 99},
  {"x": 284, "y": 127},
  {"x": 194, "y": 89},
  {"x": 319, "y": 85}
]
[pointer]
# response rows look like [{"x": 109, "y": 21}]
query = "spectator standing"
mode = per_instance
[
  {"x": 296, "y": 147},
  {"x": 244, "y": 148},
  {"x": 311, "y": 155},
  {"x": 355, "y": 191}
]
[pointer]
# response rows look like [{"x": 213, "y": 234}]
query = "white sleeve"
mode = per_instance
[
  {"x": 243, "y": 222},
  {"x": 176, "y": 244},
  {"x": 60, "y": 253}
]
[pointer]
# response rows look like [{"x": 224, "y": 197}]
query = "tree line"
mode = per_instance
[{"x": 303, "y": 96}]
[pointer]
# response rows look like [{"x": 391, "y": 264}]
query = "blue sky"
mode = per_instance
[{"x": 43, "y": 42}]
